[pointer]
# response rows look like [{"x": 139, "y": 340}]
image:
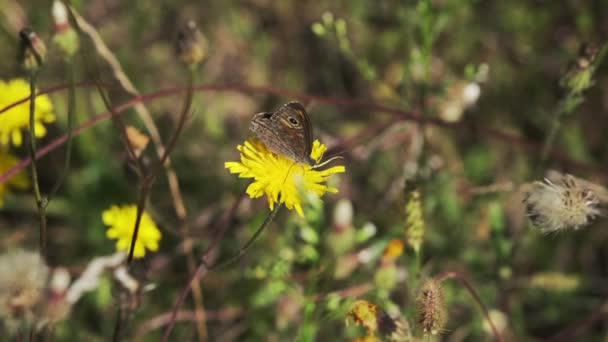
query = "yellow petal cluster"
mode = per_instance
[
  {"x": 281, "y": 179},
  {"x": 17, "y": 118},
  {"x": 121, "y": 222}
]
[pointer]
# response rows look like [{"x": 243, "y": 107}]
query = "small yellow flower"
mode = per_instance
[
  {"x": 393, "y": 250},
  {"x": 280, "y": 178},
  {"x": 375, "y": 319},
  {"x": 122, "y": 221},
  {"x": 365, "y": 313},
  {"x": 17, "y": 118},
  {"x": 20, "y": 181}
]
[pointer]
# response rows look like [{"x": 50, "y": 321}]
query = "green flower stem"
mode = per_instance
[
  {"x": 71, "y": 109},
  {"x": 416, "y": 268},
  {"x": 250, "y": 242},
  {"x": 571, "y": 101},
  {"x": 566, "y": 106},
  {"x": 204, "y": 268},
  {"x": 117, "y": 334},
  {"x": 41, "y": 202}
]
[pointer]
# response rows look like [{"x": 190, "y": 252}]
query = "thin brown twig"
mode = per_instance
[
  {"x": 203, "y": 268},
  {"x": 576, "y": 328},
  {"x": 184, "y": 315},
  {"x": 143, "y": 112},
  {"x": 148, "y": 180},
  {"x": 511, "y": 139},
  {"x": 122, "y": 130},
  {"x": 197, "y": 294}
]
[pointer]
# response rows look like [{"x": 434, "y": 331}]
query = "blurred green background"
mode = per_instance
[{"x": 485, "y": 75}]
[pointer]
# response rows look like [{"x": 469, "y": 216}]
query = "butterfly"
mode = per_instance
[{"x": 286, "y": 131}]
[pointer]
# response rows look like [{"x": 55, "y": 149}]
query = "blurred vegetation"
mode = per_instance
[{"x": 475, "y": 88}]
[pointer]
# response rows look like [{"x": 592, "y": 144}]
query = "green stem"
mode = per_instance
[
  {"x": 567, "y": 105},
  {"x": 41, "y": 202},
  {"x": 250, "y": 242},
  {"x": 68, "y": 152},
  {"x": 116, "y": 335}
]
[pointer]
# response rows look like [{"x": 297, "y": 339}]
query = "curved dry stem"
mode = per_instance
[
  {"x": 576, "y": 328},
  {"x": 203, "y": 268},
  {"x": 149, "y": 179},
  {"x": 397, "y": 114},
  {"x": 144, "y": 114},
  {"x": 464, "y": 282}
]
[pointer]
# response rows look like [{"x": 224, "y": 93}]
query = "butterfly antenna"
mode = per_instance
[{"x": 327, "y": 161}]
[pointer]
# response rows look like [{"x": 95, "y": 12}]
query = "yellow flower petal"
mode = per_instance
[
  {"x": 20, "y": 181},
  {"x": 281, "y": 179},
  {"x": 40, "y": 130},
  {"x": 121, "y": 220},
  {"x": 16, "y": 138},
  {"x": 17, "y": 118}
]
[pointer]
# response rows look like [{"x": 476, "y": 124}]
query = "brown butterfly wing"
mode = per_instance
[
  {"x": 286, "y": 131},
  {"x": 295, "y": 110}
]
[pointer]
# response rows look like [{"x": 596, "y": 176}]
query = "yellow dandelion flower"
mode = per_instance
[
  {"x": 365, "y": 313},
  {"x": 121, "y": 220},
  {"x": 18, "y": 117},
  {"x": 371, "y": 316},
  {"x": 20, "y": 181},
  {"x": 280, "y": 178}
]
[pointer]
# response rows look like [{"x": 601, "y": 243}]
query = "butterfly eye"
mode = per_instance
[{"x": 294, "y": 122}]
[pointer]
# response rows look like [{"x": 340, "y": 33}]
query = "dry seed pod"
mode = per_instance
[{"x": 430, "y": 308}]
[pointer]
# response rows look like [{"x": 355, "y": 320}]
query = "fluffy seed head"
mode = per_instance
[
  {"x": 560, "y": 203},
  {"x": 23, "y": 277}
]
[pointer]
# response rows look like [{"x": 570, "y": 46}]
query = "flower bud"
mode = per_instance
[
  {"x": 65, "y": 37},
  {"x": 191, "y": 45},
  {"x": 579, "y": 75},
  {"x": 414, "y": 222},
  {"x": 33, "y": 50}
]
